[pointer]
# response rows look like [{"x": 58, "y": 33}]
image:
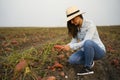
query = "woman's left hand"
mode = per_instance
[
  {"x": 62, "y": 47},
  {"x": 66, "y": 47}
]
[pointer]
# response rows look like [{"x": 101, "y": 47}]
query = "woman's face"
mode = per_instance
[{"x": 76, "y": 21}]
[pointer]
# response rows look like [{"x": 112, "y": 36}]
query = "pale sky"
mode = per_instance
[{"x": 53, "y": 12}]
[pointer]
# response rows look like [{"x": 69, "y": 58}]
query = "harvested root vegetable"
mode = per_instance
[
  {"x": 57, "y": 65},
  {"x": 62, "y": 74},
  {"x": 58, "y": 47},
  {"x": 21, "y": 65},
  {"x": 8, "y": 49},
  {"x": 115, "y": 62},
  {"x": 51, "y": 78},
  {"x": 14, "y": 42},
  {"x": 39, "y": 78}
]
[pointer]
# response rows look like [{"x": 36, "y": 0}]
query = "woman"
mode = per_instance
[{"x": 85, "y": 40}]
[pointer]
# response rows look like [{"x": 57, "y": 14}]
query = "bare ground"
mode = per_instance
[{"x": 107, "y": 68}]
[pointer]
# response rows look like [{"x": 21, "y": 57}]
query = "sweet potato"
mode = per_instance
[
  {"x": 21, "y": 65},
  {"x": 58, "y": 47}
]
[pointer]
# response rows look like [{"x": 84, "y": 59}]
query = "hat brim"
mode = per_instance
[{"x": 74, "y": 15}]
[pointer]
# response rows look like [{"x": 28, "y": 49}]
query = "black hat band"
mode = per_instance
[{"x": 73, "y": 13}]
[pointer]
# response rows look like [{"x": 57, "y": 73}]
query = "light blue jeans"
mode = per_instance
[{"x": 91, "y": 52}]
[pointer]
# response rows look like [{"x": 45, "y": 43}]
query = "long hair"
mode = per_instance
[{"x": 72, "y": 29}]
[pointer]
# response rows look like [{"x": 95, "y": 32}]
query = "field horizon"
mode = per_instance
[{"x": 52, "y": 26}]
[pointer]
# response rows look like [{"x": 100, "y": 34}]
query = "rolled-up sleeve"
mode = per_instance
[{"x": 73, "y": 41}]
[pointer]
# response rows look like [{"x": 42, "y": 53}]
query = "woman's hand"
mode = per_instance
[
  {"x": 66, "y": 47},
  {"x": 59, "y": 47},
  {"x": 62, "y": 47}
]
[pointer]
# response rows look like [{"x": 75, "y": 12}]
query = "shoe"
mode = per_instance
[
  {"x": 85, "y": 71},
  {"x": 93, "y": 63}
]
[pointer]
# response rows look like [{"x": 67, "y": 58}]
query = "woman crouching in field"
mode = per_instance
[{"x": 85, "y": 40}]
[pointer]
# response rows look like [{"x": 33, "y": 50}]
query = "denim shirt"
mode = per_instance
[{"x": 88, "y": 31}]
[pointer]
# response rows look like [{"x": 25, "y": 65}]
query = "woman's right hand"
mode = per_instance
[{"x": 59, "y": 47}]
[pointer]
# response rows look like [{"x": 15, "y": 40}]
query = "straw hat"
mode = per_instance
[{"x": 72, "y": 12}]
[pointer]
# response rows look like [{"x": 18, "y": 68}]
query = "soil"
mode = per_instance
[{"x": 107, "y": 68}]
